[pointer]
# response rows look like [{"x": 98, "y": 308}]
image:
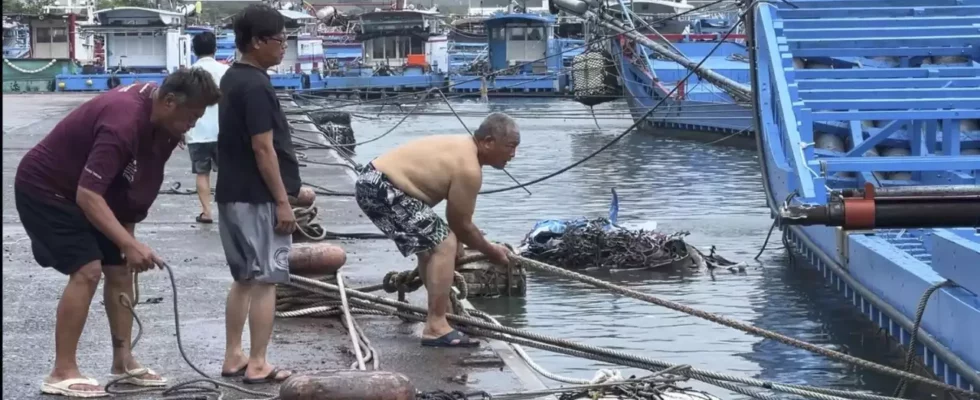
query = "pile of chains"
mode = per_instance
[{"x": 597, "y": 244}]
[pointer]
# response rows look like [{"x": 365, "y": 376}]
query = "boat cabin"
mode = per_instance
[
  {"x": 16, "y": 39},
  {"x": 143, "y": 40},
  {"x": 304, "y": 48},
  {"x": 658, "y": 13},
  {"x": 51, "y": 35},
  {"x": 407, "y": 40},
  {"x": 526, "y": 40}
]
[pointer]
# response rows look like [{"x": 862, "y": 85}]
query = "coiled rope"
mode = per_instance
[{"x": 307, "y": 226}]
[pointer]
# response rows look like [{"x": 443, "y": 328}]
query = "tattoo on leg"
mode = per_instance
[{"x": 117, "y": 343}]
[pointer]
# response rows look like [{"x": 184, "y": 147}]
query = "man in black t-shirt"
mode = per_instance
[{"x": 259, "y": 173}]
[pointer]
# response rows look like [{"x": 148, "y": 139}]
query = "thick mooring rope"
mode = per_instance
[
  {"x": 480, "y": 327},
  {"x": 532, "y": 264}
]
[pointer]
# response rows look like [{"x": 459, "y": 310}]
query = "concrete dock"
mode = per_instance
[{"x": 31, "y": 293}]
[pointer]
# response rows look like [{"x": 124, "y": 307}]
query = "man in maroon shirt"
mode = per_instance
[{"x": 80, "y": 193}]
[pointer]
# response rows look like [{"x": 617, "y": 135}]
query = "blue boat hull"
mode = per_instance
[
  {"x": 884, "y": 273},
  {"x": 704, "y": 114}
]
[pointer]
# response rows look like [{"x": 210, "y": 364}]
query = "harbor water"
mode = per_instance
[{"x": 712, "y": 191}]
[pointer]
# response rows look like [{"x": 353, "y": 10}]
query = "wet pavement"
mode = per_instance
[{"x": 30, "y": 293}]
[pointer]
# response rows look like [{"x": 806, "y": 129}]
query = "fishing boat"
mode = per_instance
[
  {"x": 300, "y": 66},
  {"x": 522, "y": 57},
  {"x": 870, "y": 153},
  {"x": 16, "y": 39},
  {"x": 652, "y": 69},
  {"x": 404, "y": 50},
  {"x": 54, "y": 43},
  {"x": 141, "y": 44}
]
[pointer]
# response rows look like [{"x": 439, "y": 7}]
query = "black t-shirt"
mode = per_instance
[{"x": 249, "y": 106}]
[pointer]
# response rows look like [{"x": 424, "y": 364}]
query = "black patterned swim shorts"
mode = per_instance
[{"x": 412, "y": 224}]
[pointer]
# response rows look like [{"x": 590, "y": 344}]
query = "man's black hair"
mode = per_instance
[
  {"x": 204, "y": 44},
  {"x": 257, "y": 21},
  {"x": 192, "y": 86}
]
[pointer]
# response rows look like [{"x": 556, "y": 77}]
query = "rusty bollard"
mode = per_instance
[{"x": 348, "y": 385}]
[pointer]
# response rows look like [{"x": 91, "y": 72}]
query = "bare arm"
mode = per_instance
[
  {"x": 268, "y": 163},
  {"x": 98, "y": 213},
  {"x": 460, "y": 204}
]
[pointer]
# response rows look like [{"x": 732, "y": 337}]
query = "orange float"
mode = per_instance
[{"x": 316, "y": 259}]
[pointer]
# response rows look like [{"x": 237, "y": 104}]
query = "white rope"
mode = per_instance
[{"x": 350, "y": 323}]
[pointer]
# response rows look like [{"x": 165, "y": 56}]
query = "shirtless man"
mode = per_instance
[{"x": 398, "y": 189}]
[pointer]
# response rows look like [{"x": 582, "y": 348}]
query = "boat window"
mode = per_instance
[
  {"x": 59, "y": 35},
  {"x": 403, "y": 46},
  {"x": 499, "y": 34},
  {"x": 378, "y": 48},
  {"x": 536, "y": 33},
  {"x": 417, "y": 45},
  {"x": 516, "y": 33},
  {"x": 391, "y": 47},
  {"x": 42, "y": 35}
]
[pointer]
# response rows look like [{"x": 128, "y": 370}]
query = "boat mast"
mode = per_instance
[{"x": 738, "y": 91}]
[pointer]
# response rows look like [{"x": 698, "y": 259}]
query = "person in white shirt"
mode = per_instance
[{"x": 202, "y": 140}]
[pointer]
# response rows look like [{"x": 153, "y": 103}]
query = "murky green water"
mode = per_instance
[{"x": 714, "y": 192}]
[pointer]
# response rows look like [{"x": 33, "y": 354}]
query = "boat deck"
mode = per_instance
[{"x": 882, "y": 93}]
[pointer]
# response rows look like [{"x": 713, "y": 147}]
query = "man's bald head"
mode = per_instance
[
  {"x": 497, "y": 126},
  {"x": 497, "y": 139}
]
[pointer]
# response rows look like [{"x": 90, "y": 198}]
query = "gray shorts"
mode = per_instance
[
  {"x": 253, "y": 249},
  {"x": 204, "y": 157}
]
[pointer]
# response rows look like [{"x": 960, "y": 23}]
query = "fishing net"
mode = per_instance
[
  {"x": 596, "y": 243},
  {"x": 594, "y": 78}
]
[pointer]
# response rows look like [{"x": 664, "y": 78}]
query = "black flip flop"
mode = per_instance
[
  {"x": 448, "y": 340},
  {"x": 270, "y": 378},
  {"x": 200, "y": 218},
  {"x": 239, "y": 372}
]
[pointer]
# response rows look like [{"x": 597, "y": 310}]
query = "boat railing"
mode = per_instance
[{"x": 920, "y": 107}]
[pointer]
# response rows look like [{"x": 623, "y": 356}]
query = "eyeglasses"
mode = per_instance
[{"x": 282, "y": 41}]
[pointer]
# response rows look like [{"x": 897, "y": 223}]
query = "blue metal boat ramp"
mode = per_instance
[{"x": 870, "y": 151}]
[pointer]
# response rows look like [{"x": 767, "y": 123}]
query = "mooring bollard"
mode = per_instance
[
  {"x": 348, "y": 385},
  {"x": 316, "y": 259}
]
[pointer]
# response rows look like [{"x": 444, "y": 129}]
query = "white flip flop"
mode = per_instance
[
  {"x": 63, "y": 388},
  {"x": 134, "y": 377}
]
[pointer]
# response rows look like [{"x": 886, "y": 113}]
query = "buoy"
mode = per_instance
[
  {"x": 88, "y": 82},
  {"x": 316, "y": 259},
  {"x": 348, "y": 385}
]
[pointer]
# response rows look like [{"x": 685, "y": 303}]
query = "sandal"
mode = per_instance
[
  {"x": 238, "y": 372},
  {"x": 200, "y": 218},
  {"x": 272, "y": 377},
  {"x": 452, "y": 339},
  {"x": 63, "y": 388},
  {"x": 135, "y": 377}
]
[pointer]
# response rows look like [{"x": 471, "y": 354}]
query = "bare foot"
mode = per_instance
[{"x": 233, "y": 365}]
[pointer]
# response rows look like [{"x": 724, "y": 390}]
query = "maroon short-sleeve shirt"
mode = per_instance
[{"x": 107, "y": 145}]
